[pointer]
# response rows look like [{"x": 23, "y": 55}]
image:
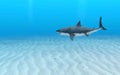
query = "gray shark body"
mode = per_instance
[{"x": 79, "y": 30}]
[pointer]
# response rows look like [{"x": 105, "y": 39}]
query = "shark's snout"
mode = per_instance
[{"x": 57, "y": 30}]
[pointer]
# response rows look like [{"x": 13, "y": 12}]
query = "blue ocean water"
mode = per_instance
[
  {"x": 44, "y": 17},
  {"x": 48, "y": 55}
]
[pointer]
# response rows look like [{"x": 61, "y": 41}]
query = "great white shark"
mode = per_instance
[{"x": 80, "y": 30}]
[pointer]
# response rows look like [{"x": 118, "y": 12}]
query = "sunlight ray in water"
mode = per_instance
[
  {"x": 82, "y": 8},
  {"x": 30, "y": 10}
]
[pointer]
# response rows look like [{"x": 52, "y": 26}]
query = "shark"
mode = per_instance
[{"x": 79, "y": 30}]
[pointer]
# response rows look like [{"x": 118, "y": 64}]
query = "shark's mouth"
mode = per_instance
[{"x": 66, "y": 34}]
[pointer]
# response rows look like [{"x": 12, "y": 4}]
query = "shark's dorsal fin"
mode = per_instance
[
  {"x": 78, "y": 24},
  {"x": 72, "y": 36}
]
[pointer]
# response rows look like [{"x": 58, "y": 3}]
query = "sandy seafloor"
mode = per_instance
[{"x": 60, "y": 56}]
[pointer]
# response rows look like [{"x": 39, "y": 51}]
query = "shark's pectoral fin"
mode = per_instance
[
  {"x": 86, "y": 34},
  {"x": 72, "y": 36}
]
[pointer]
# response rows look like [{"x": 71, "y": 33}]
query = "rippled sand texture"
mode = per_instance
[{"x": 51, "y": 56}]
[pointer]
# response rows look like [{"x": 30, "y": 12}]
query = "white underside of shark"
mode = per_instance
[{"x": 80, "y": 34}]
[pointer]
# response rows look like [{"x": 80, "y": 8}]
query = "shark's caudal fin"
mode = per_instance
[{"x": 100, "y": 24}]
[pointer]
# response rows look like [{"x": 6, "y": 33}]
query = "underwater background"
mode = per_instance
[
  {"x": 20, "y": 18},
  {"x": 29, "y": 44}
]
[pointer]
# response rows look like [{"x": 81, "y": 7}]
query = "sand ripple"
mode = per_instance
[{"x": 51, "y": 56}]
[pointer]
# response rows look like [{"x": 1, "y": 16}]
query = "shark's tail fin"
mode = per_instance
[{"x": 100, "y": 24}]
